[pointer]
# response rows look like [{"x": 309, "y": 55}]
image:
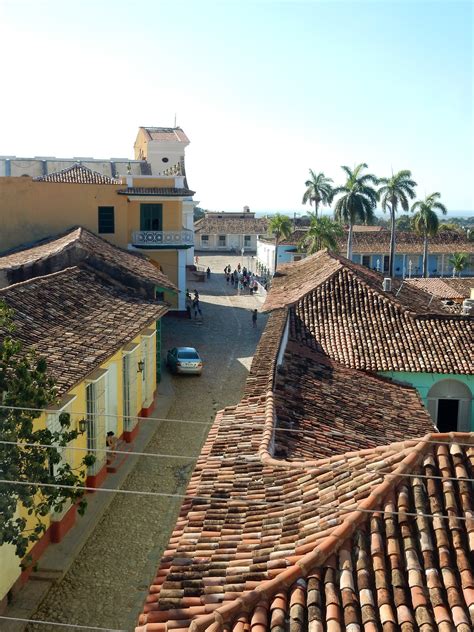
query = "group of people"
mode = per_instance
[
  {"x": 241, "y": 278},
  {"x": 193, "y": 304}
]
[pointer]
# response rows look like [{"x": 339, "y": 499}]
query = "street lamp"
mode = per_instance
[{"x": 242, "y": 253}]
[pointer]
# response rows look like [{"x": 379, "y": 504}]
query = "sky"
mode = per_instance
[{"x": 264, "y": 90}]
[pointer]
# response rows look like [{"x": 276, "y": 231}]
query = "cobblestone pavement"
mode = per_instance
[{"x": 107, "y": 583}]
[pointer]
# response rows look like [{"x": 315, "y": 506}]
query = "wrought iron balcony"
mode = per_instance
[{"x": 158, "y": 238}]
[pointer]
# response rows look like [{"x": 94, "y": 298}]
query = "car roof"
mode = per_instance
[{"x": 186, "y": 349}]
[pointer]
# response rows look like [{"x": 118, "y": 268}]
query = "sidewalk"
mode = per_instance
[{"x": 57, "y": 559}]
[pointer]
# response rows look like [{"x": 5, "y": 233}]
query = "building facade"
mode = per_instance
[
  {"x": 99, "y": 335},
  {"x": 229, "y": 232},
  {"x": 143, "y": 205}
]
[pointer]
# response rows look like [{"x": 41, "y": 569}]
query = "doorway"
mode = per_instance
[{"x": 447, "y": 419}]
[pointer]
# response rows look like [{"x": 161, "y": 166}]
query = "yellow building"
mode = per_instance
[
  {"x": 142, "y": 205},
  {"x": 98, "y": 333}
]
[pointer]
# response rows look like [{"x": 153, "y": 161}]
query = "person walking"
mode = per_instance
[
  {"x": 196, "y": 305},
  {"x": 188, "y": 303},
  {"x": 208, "y": 272},
  {"x": 254, "y": 318}
]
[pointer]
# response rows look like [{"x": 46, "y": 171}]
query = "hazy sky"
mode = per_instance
[{"x": 264, "y": 90}]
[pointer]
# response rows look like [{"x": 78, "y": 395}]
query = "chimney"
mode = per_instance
[{"x": 387, "y": 284}]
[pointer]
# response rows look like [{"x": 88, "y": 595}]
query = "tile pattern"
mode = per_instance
[
  {"x": 254, "y": 530},
  {"x": 231, "y": 226},
  {"x": 76, "y": 319},
  {"x": 172, "y": 134},
  {"x": 368, "y": 242},
  {"x": 445, "y": 288},
  {"x": 323, "y": 408},
  {"x": 157, "y": 191},
  {"x": 78, "y": 244},
  {"x": 339, "y": 309},
  {"x": 77, "y": 174}
]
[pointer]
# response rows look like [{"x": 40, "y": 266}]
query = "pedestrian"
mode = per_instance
[
  {"x": 188, "y": 303},
  {"x": 227, "y": 278},
  {"x": 197, "y": 260},
  {"x": 208, "y": 272},
  {"x": 196, "y": 305},
  {"x": 254, "y": 318},
  {"x": 239, "y": 268}
]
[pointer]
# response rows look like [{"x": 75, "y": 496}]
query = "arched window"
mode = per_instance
[{"x": 449, "y": 404}]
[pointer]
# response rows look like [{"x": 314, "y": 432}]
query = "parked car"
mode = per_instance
[{"x": 184, "y": 360}]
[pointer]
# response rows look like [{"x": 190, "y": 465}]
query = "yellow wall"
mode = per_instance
[
  {"x": 32, "y": 210},
  {"x": 9, "y": 562}
]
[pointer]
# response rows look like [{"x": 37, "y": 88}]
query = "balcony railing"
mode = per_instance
[{"x": 163, "y": 237}]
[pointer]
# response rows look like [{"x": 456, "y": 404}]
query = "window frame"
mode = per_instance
[{"x": 109, "y": 222}]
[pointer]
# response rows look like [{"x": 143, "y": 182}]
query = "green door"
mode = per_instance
[{"x": 151, "y": 217}]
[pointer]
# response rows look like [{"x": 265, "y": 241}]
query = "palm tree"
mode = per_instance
[
  {"x": 459, "y": 261},
  {"x": 279, "y": 226},
  {"x": 426, "y": 222},
  {"x": 318, "y": 190},
  {"x": 358, "y": 202},
  {"x": 395, "y": 191},
  {"x": 322, "y": 233}
]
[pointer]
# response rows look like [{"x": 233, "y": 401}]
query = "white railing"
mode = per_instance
[{"x": 163, "y": 237}]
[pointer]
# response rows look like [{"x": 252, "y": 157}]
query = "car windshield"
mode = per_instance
[{"x": 188, "y": 355}]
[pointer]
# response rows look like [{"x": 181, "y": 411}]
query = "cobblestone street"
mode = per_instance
[{"x": 108, "y": 582}]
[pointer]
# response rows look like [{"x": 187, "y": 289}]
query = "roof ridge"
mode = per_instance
[
  {"x": 321, "y": 552},
  {"x": 4, "y": 290}
]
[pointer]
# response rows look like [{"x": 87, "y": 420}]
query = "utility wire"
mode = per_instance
[
  {"x": 341, "y": 511},
  {"x": 107, "y": 450},
  {"x": 64, "y": 625}
]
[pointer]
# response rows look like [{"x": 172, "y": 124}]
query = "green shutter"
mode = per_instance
[{"x": 151, "y": 217}]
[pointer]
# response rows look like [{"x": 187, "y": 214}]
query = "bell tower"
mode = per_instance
[{"x": 163, "y": 149}]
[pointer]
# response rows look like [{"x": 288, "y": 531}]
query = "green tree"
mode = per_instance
[
  {"x": 358, "y": 200},
  {"x": 396, "y": 191},
  {"x": 322, "y": 233},
  {"x": 318, "y": 190},
  {"x": 459, "y": 261},
  {"x": 404, "y": 222},
  {"x": 426, "y": 222},
  {"x": 198, "y": 213},
  {"x": 24, "y": 383},
  {"x": 279, "y": 226}
]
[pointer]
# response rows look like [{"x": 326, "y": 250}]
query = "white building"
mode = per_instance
[{"x": 229, "y": 232}]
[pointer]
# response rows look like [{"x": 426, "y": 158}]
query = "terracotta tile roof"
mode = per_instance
[
  {"x": 77, "y": 174},
  {"x": 166, "y": 134},
  {"x": 254, "y": 528},
  {"x": 231, "y": 226},
  {"x": 445, "y": 288},
  {"x": 157, "y": 191},
  {"x": 76, "y": 245},
  {"x": 367, "y": 242},
  {"x": 76, "y": 319},
  {"x": 324, "y": 408},
  {"x": 339, "y": 308}
]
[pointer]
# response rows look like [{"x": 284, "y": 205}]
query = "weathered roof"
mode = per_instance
[
  {"x": 166, "y": 134},
  {"x": 339, "y": 308},
  {"x": 77, "y": 174},
  {"x": 157, "y": 191},
  {"x": 324, "y": 408},
  {"x": 75, "y": 245},
  {"x": 407, "y": 242},
  {"x": 230, "y": 226},
  {"x": 76, "y": 319},
  {"x": 263, "y": 543},
  {"x": 455, "y": 288}
]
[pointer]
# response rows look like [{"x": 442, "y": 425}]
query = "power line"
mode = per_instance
[
  {"x": 52, "y": 411},
  {"x": 64, "y": 625},
  {"x": 340, "y": 511},
  {"x": 106, "y": 450}
]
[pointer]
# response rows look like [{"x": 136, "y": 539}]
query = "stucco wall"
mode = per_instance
[{"x": 423, "y": 382}]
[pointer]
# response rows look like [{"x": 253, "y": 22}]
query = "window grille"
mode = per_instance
[
  {"x": 106, "y": 220},
  {"x": 96, "y": 433},
  {"x": 149, "y": 343}
]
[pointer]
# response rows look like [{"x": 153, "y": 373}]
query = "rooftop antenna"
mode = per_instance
[{"x": 175, "y": 119}]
